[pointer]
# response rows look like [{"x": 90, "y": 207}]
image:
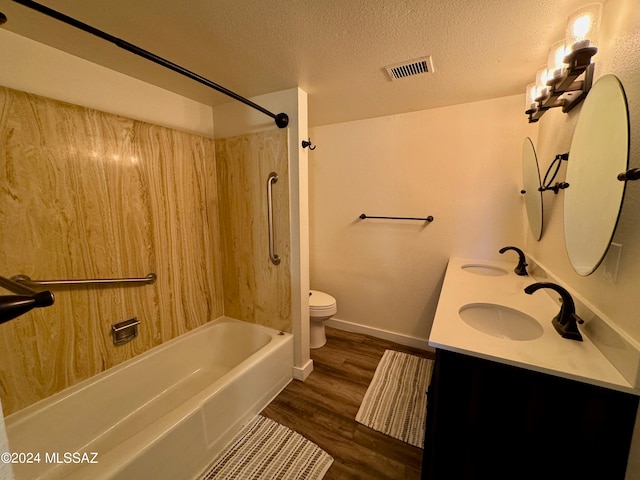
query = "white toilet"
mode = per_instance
[{"x": 322, "y": 306}]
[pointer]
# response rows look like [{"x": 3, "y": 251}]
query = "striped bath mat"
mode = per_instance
[
  {"x": 395, "y": 402},
  {"x": 264, "y": 449}
]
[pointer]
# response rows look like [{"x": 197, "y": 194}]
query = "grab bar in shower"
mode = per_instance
[
  {"x": 426, "y": 219},
  {"x": 273, "y": 178},
  {"x": 25, "y": 280}
]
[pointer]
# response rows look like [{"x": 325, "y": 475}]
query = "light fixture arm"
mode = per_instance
[{"x": 569, "y": 92}]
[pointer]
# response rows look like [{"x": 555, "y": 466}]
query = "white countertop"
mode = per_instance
[{"x": 549, "y": 353}]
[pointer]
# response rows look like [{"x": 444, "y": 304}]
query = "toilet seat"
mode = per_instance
[{"x": 321, "y": 304}]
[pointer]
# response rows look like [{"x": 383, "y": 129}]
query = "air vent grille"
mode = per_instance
[{"x": 410, "y": 68}]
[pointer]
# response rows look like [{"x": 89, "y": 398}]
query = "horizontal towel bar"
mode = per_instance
[
  {"x": 25, "y": 280},
  {"x": 426, "y": 219}
]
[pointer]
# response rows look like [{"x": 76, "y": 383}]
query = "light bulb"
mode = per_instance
[
  {"x": 542, "y": 90},
  {"x": 556, "y": 67},
  {"x": 583, "y": 27},
  {"x": 530, "y": 99}
]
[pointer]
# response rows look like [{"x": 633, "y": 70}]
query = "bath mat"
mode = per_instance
[
  {"x": 264, "y": 449},
  {"x": 396, "y": 401}
]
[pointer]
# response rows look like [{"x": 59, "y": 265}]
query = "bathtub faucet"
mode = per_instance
[{"x": 12, "y": 306}]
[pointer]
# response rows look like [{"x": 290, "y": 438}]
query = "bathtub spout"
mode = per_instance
[{"x": 12, "y": 306}]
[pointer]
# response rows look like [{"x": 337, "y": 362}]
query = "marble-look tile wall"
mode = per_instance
[
  {"x": 255, "y": 290},
  {"x": 84, "y": 194}
]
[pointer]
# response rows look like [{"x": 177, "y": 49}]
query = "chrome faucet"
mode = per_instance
[
  {"x": 521, "y": 268},
  {"x": 565, "y": 321}
]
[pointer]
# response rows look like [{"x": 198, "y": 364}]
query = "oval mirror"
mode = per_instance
[
  {"x": 531, "y": 190},
  {"x": 599, "y": 152}
]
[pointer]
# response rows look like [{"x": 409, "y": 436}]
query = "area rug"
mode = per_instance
[
  {"x": 396, "y": 401},
  {"x": 264, "y": 449}
]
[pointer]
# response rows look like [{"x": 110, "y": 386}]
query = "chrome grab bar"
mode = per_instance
[
  {"x": 13, "y": 286},
  {"x": 273, "y": 178},
  {"x": 25, "y": 280}
]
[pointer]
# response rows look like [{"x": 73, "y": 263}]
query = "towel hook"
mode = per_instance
[{"x": 307, "y": 143}]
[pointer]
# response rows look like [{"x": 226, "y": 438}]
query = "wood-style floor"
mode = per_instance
[{"x": 324, "y": 407}]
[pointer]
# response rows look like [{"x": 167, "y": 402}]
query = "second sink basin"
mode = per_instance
[
  {"x": 500, "y": 321},
  {"x": 480, "y": 269}
]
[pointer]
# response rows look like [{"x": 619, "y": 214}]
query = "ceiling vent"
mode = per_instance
[{"x": 410, "y": 68}]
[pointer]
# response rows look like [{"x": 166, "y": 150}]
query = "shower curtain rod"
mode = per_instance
[{"x": 281, "y": 119}]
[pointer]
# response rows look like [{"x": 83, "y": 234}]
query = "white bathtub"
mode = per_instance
[{"x": 163, "y": 415}]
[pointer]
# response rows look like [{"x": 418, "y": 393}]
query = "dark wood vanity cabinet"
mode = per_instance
[{"x": 487, "y": 420}]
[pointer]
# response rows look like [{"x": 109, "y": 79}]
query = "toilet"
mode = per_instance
[{"x": 322, "y": 306}]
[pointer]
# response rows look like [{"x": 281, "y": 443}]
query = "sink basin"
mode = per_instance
[
  {"x": 488, "y": 270},
  {"x": 500, "y": 321}
]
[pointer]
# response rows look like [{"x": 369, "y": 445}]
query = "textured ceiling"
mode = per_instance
[{"x": 335, "y": 50}]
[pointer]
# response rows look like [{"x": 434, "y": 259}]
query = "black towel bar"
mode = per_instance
[{"x": 426, "y": 219}]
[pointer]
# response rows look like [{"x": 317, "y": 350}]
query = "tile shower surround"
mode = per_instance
[{"x": 86, "y": 194}]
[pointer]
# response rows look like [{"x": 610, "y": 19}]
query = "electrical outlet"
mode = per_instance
[{"x": 611, "y": 263}]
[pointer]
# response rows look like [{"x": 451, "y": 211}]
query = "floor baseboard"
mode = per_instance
[
  {"x": 301, "y": 373},
  {"x": 406, "y": 340}
]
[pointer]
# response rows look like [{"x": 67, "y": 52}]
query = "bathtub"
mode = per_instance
[{"x": 163, "y": 414}]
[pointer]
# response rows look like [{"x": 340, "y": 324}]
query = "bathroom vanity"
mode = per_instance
[{"x": 512, "y": 399}]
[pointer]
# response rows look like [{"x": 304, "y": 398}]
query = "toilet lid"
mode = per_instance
[{"x": 321, "y": 300}]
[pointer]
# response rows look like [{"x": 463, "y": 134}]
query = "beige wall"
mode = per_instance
[
  {"x": 619, "y": 55},
  {"x": 93, "y": 195},
  {"x": 460, "y": 164},
  {"x": 43, "y": 70}
]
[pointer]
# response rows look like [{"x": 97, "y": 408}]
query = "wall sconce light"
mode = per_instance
[{"x": 556, "y": 83}]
